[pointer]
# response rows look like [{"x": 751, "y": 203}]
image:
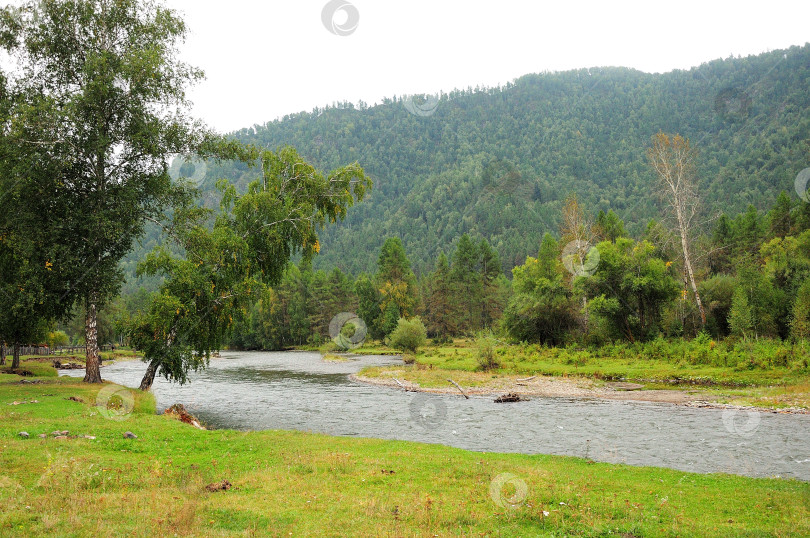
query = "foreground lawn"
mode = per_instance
[{"x": 291, "y": 483}]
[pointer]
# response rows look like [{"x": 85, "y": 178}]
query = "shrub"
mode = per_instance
[
  {"x": 58, "y": 338},
  {"x": 409, "y": 334},
  {"x": 485, "y": 351}
]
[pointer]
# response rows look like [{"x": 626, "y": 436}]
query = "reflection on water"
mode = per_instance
[{"x": 297, "y": 390}]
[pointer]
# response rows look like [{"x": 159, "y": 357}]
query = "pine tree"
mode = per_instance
[
  {"x": 721, "y": 247},
  {"x": 466, "y": 282},
  {"x": 395, "y": 282},
  {"x": 441, "y": 316},
  {"x": 490, "y": 269},
  {"x": 741, "y": 316},
  {"x": 781, "y": 221},
  {"x": 800, "y": 324}
]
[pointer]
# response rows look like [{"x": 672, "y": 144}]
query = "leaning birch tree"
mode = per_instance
[{"x": 673, "y": 160}]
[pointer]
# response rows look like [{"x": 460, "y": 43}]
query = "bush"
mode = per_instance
[
  {"x": 409, "y": 335},
  {"x": 58, "y": 338},
  {"x": 485, "y": 351}
]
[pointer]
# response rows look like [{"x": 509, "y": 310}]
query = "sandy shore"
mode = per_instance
[{"x": 556, "y": 387}]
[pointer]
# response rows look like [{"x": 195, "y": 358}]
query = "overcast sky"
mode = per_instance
[{"x": 265, "y": 59}]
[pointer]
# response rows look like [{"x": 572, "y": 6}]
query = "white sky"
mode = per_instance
[{"x": 265, "y": 59}]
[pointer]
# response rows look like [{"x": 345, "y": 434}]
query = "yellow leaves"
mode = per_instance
[
  {"x": 684, "y": 293},
  {"x": 48, "y": 266},
  {"x": 669, "y": 264},
  {"x": 317, "y": 246}
]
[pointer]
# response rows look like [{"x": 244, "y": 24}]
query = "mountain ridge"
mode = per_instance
[{"x": 498, "y": 162}]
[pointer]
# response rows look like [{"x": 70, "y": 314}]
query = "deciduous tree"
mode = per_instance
[
  {"x": 113, "y": 97},
  {"x": 673, "y": 160}
]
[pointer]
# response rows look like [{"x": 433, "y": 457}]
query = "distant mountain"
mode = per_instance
[{"x": 498, "y": 162}]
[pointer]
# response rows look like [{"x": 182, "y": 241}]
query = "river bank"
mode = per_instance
[
  {"x": 744, "y": 375},
  {"x": 482, "y": 384}
]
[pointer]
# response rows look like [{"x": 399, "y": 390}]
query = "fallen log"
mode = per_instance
[
  {"x": 459, "y": 388},
  {"x": 528, "y": 378},
  {"x": 407, "y": 389},
  {"x": 508, "y": 398}
]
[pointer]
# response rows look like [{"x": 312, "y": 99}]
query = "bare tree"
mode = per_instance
[
  {"x": 577, "y": 237},
  {"x": 674, "y": 163}
]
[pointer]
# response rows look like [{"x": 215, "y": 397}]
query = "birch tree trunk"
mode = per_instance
[
  {"x": 149, "y": 376},
  {"x": 92, "y": 372}
]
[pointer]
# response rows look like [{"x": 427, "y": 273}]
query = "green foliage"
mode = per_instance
[
  {"x": 629, "y": 289},
  {"x": 57, "y": 338},
  {"x": 227, "y": 267},
  {"x": 396, "y": 282},
  {"x": 485, "y": 352},
  {"x": 800, "y": 322},
  {"x": 542, "y": 308},
  {"x": 409, "y": 335},
  {"x": 497, "y": 162},
  {"x": 741, "y": 317}
]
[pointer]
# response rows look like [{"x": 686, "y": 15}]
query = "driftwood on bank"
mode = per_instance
[
  {"x": 459, "y": 388},
  {"x": 508, "y": 398},
  {"x": 407, "y": 389}
]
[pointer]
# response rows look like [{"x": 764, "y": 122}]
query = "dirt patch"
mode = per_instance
[{"x": 219, "y": 486}]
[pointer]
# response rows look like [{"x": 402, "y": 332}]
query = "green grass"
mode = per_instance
[
  {"x": 764, "y": 373},
  {"x": 307, "y": 484}
]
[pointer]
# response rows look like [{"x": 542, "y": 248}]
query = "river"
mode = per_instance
[{"x": 299, "y": 391}]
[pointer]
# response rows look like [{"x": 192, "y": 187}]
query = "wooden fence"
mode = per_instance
[{"x": 59, "y": 350}]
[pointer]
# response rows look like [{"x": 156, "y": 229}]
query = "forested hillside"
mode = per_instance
[{"x": 499, "y": 162}]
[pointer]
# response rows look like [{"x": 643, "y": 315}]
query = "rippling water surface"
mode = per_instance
[{"x": 297, "y": 390}]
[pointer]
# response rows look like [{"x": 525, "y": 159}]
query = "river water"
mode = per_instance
[{"x": 299, "y": 391}]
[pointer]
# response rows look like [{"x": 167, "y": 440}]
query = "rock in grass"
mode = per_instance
[
  {"x": 24, "y": 435},
  {"x": 43, "y": 436},
  {"x": 130, "y": 435}
]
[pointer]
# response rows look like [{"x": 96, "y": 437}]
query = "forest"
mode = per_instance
[
  {"x": 499, "y": 163},
  {"x": 469, "y": 203}
]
